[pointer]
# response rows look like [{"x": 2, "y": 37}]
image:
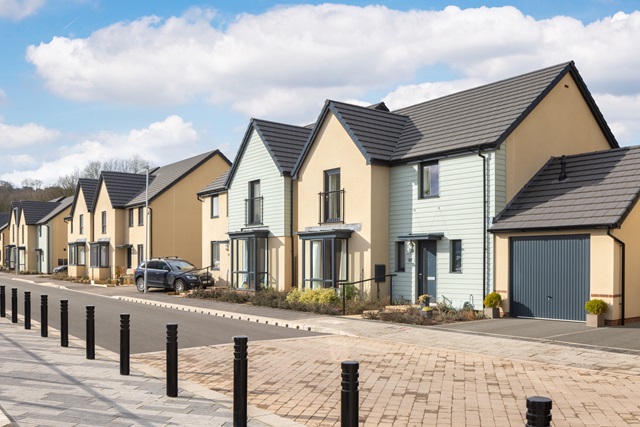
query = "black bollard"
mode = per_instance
[
  {"x": 172, "y": 360},
  {"x": 3, "y": 302},
  {"x": 350, "y": 394},
  {"x": 44, "y": 316},
  {"x": 91, "y": 332},
  {"x": 27, "y": 310},
  {"x": 240, "y": 367},
  {"x": 64, "y": 323},
  {"x": 14, "y": 305},
  {"x": 538, "y": 411},
  {"x": 124, "y": 344}
]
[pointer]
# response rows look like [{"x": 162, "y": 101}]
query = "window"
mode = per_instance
[
  {"x": 324, "y": 261},
  {"x": 332, "y": 196},
  {"x": 71, "y": 225},
  {"x": 140, "y": 254},
  {"x": 215, "y": 255},
  {"x": 400, "y": 253},
  {"x": 429, "y": 180},
  {"x": 104, "y": 222},
  {"x": 456, "y": 256},
  {"x": 81, "y": 224},
  {"x": 129, "y": 251},
  {"x": 72, "y": 255},
  {"x": 39, "y": 231},
  {"x": 99, "y": 255},
  {"x": 130, "y": 217},
  {"x": 82, "y": 250},
  {"x": 77, "y": 254},
  {"x": 215, "y": 206},
  {"x": 254, "y": 204},
  {"x": 141, "y": 215},
  {"x": 249, "y": 261},
  {"x": 22, "y": 230}
]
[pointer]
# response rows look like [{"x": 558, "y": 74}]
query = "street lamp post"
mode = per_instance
[{"x": 146, "y": 229}]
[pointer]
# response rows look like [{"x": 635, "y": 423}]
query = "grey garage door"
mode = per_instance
[{"x": 549, "y": 277}]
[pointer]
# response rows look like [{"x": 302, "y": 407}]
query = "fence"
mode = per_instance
[{"x": 538, "y": 408}]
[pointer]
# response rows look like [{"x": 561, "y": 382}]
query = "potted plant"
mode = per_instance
[
  {"x": 426, "y": 312},
  {"x": 492, "y": 303},
  {"x": 424, "y": 300},
  {"x": 595, "y": 312}
]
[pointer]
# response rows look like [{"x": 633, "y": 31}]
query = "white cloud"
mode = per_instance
[
  {"x": 22, "y": 160},
  {"x": 19, "y": 9},
  {"x": 25, "y": 135},
  {"x": 622, "y": 116},
  {"x": 407, "y": 95},
  {"x": 285, "y": 62},
  {"x": 160, "y": 143}
]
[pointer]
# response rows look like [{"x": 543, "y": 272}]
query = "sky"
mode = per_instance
[{"x": 86, "y": 80}]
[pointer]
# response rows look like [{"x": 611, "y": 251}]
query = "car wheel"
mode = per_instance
[
  {"x": 178, "y": 286},
  {"x": 140, "y": 284}
]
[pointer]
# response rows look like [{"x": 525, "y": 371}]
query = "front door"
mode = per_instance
[{"x": 427, "y": 268}]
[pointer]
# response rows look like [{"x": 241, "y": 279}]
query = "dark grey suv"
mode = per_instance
[{"x": 172, "y": 273}]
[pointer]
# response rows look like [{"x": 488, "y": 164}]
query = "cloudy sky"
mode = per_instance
[{"x": 93, "y": 79}]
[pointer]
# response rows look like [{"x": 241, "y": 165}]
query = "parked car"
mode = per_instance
[
  {"x": 61, "y": 269},
  {"x": 171, "y": 273}
]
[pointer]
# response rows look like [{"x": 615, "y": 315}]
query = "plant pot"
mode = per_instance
[
  {"x": 595, "y": 320},
  {"x": 492, "y": 312}
]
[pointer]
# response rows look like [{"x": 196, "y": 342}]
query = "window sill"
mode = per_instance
[{"x": 435, "y": 196}]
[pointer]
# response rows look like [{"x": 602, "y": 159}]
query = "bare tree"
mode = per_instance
[{"x": 30, "y": 183}]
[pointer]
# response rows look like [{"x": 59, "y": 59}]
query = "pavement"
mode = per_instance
[{"x": 475, "y": 374}]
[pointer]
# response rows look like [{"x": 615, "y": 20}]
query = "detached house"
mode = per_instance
[
  {"x": 80, "y": 226},
  {"x": 570, "y": 235},
  {"x": 261, "y": 206},
  {"x": 215, "y": 223},
  {"x": 415, "y": 189}
]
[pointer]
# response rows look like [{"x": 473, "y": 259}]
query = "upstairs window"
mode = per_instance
[
  {"x": 332, "y": 196},
  {"x": 429, "y": 180},
  {"x": 140, "y": 215},
  {"x": 130, "y": 217},
  {"x": 104, "y": 222},
  {"x": 81, "y": 224},
  {"x": 215, "y": 213},
  {"x": 254, "y": 204}
]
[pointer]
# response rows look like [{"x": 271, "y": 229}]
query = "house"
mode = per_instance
[
  {"x": 22, "y": 250},
  {"x": 4, "y": 236},
  {"x": 261, "y": 206},
  {"x": 215, "y": 223},
  {"x": 80, "y": 227},
  {"x": 51, "y": 247},
  {"x": 414, "y": 190},
  {"x": 119, "y": 227},
  {"x": 570, "y": 235}
]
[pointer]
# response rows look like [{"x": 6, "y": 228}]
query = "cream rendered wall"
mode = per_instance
[
  {"x": 116, "y": 236},
  {"x": 561, "y": 124},
  {"x": 4, "y": 233},
  {"x": 176, "y": 222},
  {"x": 28, "y": 240},
  {"x": 134, "y": 235},
  {"x": 215, "y": 229},
  {"x": 364, "y": 186},
  {"x": 58, "y": 233},
  {"x": 80, "y": 209}
]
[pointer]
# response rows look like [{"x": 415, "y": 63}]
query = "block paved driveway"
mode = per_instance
[{"x": 411, "y": 384}]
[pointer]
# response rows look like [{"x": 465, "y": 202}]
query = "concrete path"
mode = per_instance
[{"x": 43, "y": 384}]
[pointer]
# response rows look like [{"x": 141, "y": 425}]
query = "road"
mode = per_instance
[{"x": 148, "y": 323}]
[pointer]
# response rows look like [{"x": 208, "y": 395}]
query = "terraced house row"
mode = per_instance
[{"x": 518, "y": 186}]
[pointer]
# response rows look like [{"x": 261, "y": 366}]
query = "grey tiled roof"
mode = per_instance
[
  {"x": 34, "y": 211},
  {"x": 479, "y": 117},
  {"x": 121, "y": 186},
  {"x": 166, "y": 176},
  {"x": 599, "y": 191},
  {"x": 4, "y": 219},
  {"x": 62, "y": 205},
  {"x": 217, "y": 186},
  {"x": 284, "y": 142},
  {"x": 89, "y": 187}
]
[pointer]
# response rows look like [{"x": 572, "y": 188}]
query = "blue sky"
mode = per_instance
[{"x": 87, "y": 79}]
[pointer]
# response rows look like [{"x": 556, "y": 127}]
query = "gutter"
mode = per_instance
[
  {"x": 293, "y": 258},
  {"x": 484, "y": 224},
  {"x": 622, "y": 275}
]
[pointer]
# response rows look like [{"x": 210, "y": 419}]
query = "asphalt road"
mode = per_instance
[{"x": 148, "y": 323}]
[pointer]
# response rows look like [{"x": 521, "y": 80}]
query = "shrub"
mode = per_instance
[
  {"x": 493, "y": 300},
  {"x": 595, "y": 306},
  {"x": 350, "y": 291}
]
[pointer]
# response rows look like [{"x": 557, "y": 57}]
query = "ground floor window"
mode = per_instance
[
  {"x": 77, "y": 254},
  {"x": 129, "y": 255},
  {"x": 140, "y": 254},
  {"x": 215, "y": 254},
  {"x": 99, "y": 255},
  {"x": 325, "y": 261},
  {"x": 249, "y": 260}
]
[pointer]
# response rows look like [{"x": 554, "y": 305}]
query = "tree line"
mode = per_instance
[{"x": 65, "y": 185}]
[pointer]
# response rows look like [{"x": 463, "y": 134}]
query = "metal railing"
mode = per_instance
[
  {"x": 379, "y": 279},
  {"x": 253, "y": 211}
]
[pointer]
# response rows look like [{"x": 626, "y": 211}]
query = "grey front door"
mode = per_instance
[{"x": 426, "y": 283}]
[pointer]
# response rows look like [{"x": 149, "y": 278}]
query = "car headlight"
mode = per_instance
[{"x": 191, "y": 277}]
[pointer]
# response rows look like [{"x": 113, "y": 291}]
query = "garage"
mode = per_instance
[{"x": 549, "y": 276}]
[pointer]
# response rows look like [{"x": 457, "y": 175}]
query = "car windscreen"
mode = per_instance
[{"x": 181, "y": 265}]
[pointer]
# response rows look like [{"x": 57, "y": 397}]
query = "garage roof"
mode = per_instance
[{"x": 599, "y": 190}]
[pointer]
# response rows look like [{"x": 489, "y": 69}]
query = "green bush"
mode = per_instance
[
  {"x": 493, "y": 300},
  {"x": 595, "y": 306},
  {"x": 350, "y": 291}
]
